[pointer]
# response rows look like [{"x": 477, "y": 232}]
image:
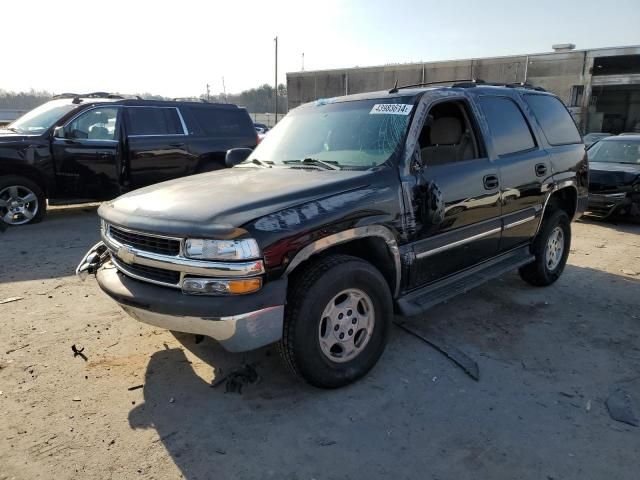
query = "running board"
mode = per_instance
[
  {"x": 57, "y": 202},
  {"x": 418, "y": 301}
]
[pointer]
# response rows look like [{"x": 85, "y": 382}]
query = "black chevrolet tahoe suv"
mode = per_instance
[
  {"x": 79, "y": 148},
  {"x": 351, "y": 210}
]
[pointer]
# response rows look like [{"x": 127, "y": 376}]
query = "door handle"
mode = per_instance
[
  {"x": 491, "y": 182},
  {"x": 541, "y": 169}
]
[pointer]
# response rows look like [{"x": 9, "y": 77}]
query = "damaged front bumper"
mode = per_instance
[
  {"x": 606, "y": 204},
  {"x": 239, "y": 323}
]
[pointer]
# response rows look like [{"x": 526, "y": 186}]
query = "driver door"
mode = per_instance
[{"x": 87, "y": 154}]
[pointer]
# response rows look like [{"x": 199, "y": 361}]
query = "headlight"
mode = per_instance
[{"x": 246, "y": 249}]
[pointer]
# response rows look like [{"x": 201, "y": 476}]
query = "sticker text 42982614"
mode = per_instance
[{"x": 391, "y": 109}]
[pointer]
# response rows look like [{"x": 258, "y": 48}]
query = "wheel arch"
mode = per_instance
[
  {"x": 374, "y": 243},
  {"x": 26, "y": 171},
  {"x": 563, "y": 197}
]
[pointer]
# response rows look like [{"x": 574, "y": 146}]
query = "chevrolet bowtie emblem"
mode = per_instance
[{"x": 126, "y": 255}]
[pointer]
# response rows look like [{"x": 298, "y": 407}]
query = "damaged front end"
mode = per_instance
[
  {"x": 624, "y": 204},
  {"x": 93, "y": 260}
]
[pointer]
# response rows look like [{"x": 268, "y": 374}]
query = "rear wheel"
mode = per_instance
[
  {"x": 551, "y": 250},
  {"x": 337, "y": 321},
  {"x": 22, "y": 200}
]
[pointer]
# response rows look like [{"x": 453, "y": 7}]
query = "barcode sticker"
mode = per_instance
[{"x": 391, "y": 109}]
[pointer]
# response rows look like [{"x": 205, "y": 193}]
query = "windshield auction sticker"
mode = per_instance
[{"x": 391, "y": 109}]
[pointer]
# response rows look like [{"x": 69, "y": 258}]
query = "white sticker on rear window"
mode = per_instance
[{"x": 391, "y": 109}]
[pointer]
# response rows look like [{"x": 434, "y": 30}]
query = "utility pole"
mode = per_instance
[
  {"x": 276, "y": 90},
  {"x": 224, "y": 89},
  {"x": 303, "y": 61},
  {"x": 208, "y": 96}
]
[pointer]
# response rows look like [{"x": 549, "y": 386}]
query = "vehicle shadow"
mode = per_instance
[
  {"x": 51, "y": 248},
  {"x": 278, "y": 427},
  {"x": 620, "y": 223}
]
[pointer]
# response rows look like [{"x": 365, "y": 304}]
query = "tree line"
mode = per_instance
[{"x": 255, "y": 100}]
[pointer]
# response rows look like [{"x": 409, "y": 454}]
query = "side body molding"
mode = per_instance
[{"x": 346, "y": 236}]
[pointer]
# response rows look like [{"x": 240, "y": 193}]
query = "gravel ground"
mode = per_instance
[{"x": 548, "y": 358}]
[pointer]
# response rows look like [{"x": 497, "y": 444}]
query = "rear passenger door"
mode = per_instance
[
  {"x": 156, "y": 144},
  {"x": 523, "y": 164}
]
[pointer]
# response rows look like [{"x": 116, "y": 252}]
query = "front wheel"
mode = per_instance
[
  {"x": 22, "y": 200},
  {"x": 551, "y": 250},
  {"x": 337, "y": 321}
]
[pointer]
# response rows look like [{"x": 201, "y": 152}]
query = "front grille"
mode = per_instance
[
  {"x": 150, "y": 273},
  {"x": 147, "y": 243}
]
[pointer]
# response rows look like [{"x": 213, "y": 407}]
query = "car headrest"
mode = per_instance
[
  {"x": 446, "y": 131},
  {"x": 101, "y": 117}
]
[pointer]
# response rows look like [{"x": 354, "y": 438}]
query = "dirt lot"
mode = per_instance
[{"x": 548, "y": 359}]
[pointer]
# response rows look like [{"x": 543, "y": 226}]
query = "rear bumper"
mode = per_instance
[{"x": 239, "y": 323}]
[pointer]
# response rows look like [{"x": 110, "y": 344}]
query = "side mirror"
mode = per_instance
[
  {"x": 236, "y": 156},
  {"x": 58, "y": 132}
]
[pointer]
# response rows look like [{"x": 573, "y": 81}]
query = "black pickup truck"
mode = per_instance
[
  {"x": 350, "y": 210},
  {"x": 79, "y": 148}
]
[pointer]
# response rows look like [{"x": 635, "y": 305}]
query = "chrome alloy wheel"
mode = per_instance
[
  {"x": 18, "y": 204},
  {"x": 346, "y": 325},
  {"x": 555, "y": 248}
]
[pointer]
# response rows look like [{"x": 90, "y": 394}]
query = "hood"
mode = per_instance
[
  {"x": 7, "y": 136},
  {"x": 611, "y": 177},
  {"x": 216, "y": 203}
]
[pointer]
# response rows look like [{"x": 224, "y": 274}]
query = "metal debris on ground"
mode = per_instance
[
  {"x": 237, "y": 379},
  {"x": 10, "y": 299},
  {"x": 77, "y": 352},
  {"x": 620, "y": 408},
  {"x": 135, "y": 387},
  {"x": 16, "y": 349},
  {"x": 452, "y": 353}
]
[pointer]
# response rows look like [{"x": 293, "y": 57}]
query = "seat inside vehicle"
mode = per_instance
[{"x": 447, "y": 135}]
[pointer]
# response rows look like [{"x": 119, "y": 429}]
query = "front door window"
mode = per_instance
[{"x": 95, "y": 124}]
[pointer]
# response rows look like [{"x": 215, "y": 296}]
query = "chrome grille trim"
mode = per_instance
[{"x": 124, "y": 255}]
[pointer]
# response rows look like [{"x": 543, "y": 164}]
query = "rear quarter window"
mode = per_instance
[
  {"x": 221, "y": 123},
  {"x": 554, "y": 119}
]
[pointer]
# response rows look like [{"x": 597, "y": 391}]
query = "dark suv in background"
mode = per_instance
[{"x": 78, "y": 148}]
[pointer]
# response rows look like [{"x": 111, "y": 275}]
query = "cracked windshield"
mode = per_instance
[{"x": 350, "y": 135}]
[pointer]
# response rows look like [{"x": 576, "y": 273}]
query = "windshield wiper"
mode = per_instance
[
  {"x": 13, "y": 129},
  {"x": 316, "y": 162},
  {"x": 260, "y": 163}
]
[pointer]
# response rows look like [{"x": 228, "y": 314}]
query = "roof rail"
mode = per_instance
[
  {"x": 78, "y": 96},
  {"x": 499, "y": 84},
  {"x": 424, "y": 84},
  {"x": 469, "y": 83}
]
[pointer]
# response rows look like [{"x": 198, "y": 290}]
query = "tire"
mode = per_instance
[
  {"x": 32, "y": 211},
  {"x": 321, "y": 286},
  {"x": 546, "y": 269}
]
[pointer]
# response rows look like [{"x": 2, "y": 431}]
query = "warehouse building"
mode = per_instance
[{"x": 601, "y": 86}]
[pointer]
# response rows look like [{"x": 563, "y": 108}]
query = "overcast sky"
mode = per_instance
[{"x": 175, "y": 48}]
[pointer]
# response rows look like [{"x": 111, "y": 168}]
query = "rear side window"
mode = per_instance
[
  {"x": 154, "y": 121},
  {"x": 215, "y": 122},
  {"x": 509, "y": 129},
  {"x": 555, "y": 120}
]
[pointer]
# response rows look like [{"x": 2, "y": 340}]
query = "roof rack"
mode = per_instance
[
  {"x": 77, "y": 97},
  {"x": 469, "y": 83}
]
